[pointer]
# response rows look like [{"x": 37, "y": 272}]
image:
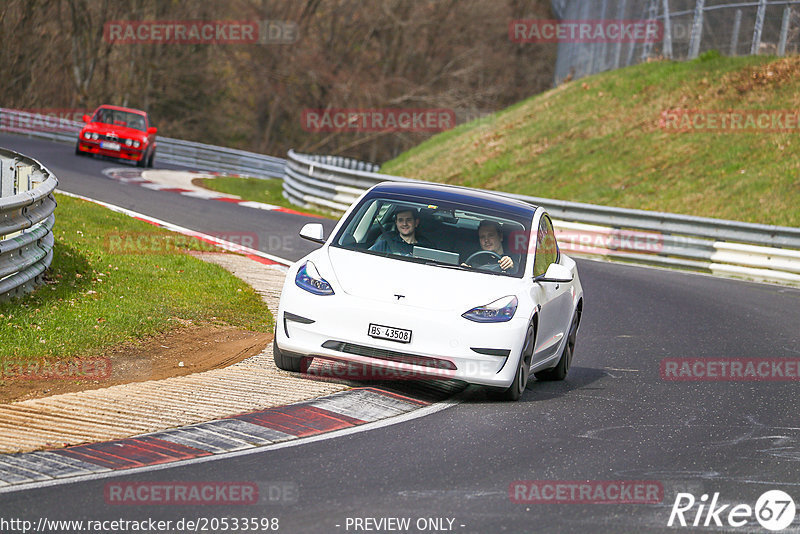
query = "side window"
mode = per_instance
[{"x": 546, "y": 247}]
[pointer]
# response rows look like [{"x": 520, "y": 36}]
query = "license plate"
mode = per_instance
[
  {"x": 390, "y": 333},
  {"x": 110, "y": 145}
]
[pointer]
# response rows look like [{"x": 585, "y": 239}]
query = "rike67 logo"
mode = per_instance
[{"x": 774, "y": 510}]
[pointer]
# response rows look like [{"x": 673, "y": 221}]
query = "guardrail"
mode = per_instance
[
  {"x": 727, "y": 248},
  {"x": 169, "y": 150},
  {"x": 26, "y": 223}
]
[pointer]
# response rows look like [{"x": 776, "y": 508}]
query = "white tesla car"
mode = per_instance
[{"x": 434, "y": 281}]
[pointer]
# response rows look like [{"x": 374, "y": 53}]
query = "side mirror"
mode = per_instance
[
  {"x": 86, "y": 118},
  {"x": 555, "y": 273},
  {"x": 313, "y": 232},
  {"x": 152, "y": 130}
]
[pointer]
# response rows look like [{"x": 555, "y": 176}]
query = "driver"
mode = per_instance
[
  {"x": 403, "y": 240},
  {"x": 490, "y": 237}
]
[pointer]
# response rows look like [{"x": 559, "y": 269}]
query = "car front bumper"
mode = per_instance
[
  {"x": 129, "y": 153},
  {"x": 443, "y": 344}
]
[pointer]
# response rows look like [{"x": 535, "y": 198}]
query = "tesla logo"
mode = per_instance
[{"x": 399, "y": 296}]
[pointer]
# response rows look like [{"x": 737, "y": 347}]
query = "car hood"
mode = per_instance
[
  {"x": 122, "y": 131},
  {"x": 425, "y": 286}
]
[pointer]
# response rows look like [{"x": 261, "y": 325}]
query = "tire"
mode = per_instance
[
  {"x": 78, "y": 151},
  {"x": 142, "y": 162},
  {"x": 285, "y": 362},
  {"x": 517, "y": 387},
  {"x": 559, "y": 372},
  {"x": 151, "y": 159}
]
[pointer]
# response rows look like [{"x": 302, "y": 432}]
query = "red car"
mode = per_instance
[{"x": 118, "y": 132}]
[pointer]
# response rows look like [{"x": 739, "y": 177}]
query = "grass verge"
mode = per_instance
[
  {"x": 97, "y": 296},
  {"x": 599, "y": 140}
]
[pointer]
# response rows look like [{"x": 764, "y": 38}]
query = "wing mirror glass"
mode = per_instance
[
  {"x": 555, "y": 273},
  {"x": 313, "y": 232}
]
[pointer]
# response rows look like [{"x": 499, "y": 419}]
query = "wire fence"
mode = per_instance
[{"x": 689, "y": 28}]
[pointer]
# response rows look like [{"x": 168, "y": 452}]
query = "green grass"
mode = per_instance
[
  {"x": 254, "y": 189},
  {"x": 598, "y": 140},
  {"x": 97, "y": 297}
]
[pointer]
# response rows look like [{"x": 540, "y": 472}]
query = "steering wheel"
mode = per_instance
[{"x": 488, "y": 266}]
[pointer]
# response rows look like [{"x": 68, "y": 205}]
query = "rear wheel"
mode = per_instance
[
  {"x": 288, "y": 362},
  {"x": 517, "y": 387},
  {"x": 559, "y": 372}
]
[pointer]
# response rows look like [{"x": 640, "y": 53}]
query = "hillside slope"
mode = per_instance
[{"x": 599, "y": 140}]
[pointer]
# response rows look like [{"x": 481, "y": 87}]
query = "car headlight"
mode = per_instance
[
  {"x": 94, "y": 136},
  {"x": 128, "y": 142},
  {"x": 136, "y": 144},
  {"x": 499, "y": 311},
  {"x": 308, "y": 278}
]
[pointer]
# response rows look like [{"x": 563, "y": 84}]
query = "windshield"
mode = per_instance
[
  {"x": 120, "y": 118},
  {"x": 459, "y": 236}
]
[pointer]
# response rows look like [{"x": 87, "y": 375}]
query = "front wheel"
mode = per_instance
[
  {"x": 517, "y": 387},
  {"x": 287, "y": 362}
]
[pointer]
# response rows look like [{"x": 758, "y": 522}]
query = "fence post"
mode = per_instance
[
  {"x": 787, "y": 16},
  {"x": 697, "y": 29},
  {"x": 666, "y": 49},
  {"x": 737, "y": 23},
  {"x": 762, "y": 9},
  {"x": 652, "y": 14},
  {"x": 620, "y": 17}
]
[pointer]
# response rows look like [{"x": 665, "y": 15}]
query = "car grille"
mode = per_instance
[{"x": 389, "y": 355}]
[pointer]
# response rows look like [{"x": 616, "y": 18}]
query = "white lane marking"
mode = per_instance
[
  {"x": 235, "y": 247},
  {"x": 415, "y": 414},
  {"x": 258, "y": 205}
]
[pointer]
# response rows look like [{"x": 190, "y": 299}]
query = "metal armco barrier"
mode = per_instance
[
  {"x": 177, "y": 151},
  {"x": 26, "y": 223},
  {"x": 726, "y": 248}
]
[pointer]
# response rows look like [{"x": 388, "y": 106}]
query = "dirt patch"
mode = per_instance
[
  {"x": 764, "y": 77},
  {"x": 185, "y": 351}
]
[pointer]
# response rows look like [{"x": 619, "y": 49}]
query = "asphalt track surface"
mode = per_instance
[{"x": 613, "y": 419}]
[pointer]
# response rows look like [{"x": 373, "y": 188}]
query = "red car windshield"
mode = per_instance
[{"x": 120, "y": 118}]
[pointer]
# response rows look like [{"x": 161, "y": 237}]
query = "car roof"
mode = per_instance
[
  {"x": 456, "y": 194},
  {"x": 120, "y": 108}
]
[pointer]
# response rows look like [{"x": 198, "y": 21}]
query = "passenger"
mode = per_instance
[
  {"x": 402, "y": 240},
  {"x": 490, "y": 237}
]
